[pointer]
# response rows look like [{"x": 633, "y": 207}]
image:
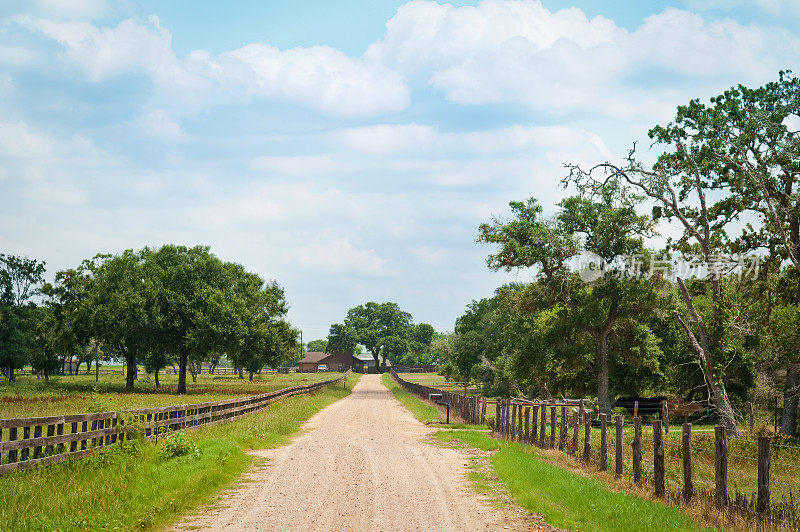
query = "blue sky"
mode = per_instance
[{"x": 347, "y": 149}]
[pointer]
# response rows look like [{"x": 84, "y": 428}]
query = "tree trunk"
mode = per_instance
[
  {"x": 130, "y": 361},
  {"x": 183, "y": 359},
  {"x": 603, "y": 399},
  {"x": 377, "y": 362},
  {"x": 11, "y": 376},
  {"x": 89, "y": 367},
  {"x": 156, "y": 376},
  {"x": 241, "y": 372},
  {"x": 251, "y": 376},
  {"x": 97, "y": 371},
  {"x": 789, "y": 421}
]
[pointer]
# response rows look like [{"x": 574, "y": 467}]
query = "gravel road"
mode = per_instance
[{"x": 362, "y": 463}]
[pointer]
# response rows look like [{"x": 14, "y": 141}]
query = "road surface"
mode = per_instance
[{"x": 361, "y": 464}]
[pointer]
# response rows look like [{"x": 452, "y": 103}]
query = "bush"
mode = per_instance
[{"x": 178, "y": 444}]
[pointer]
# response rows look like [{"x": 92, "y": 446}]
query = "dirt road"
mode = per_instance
[{"x": 361, "y": 464}]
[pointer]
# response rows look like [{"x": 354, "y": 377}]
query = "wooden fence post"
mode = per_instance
[
  {"x": 483, "y": 411},
  {"x": 665, "y": 416},
  {"x": 603, "y": 443},
  {"x": 636, "y": 409},
  {"x": 575, "y": 424},
  {"x": 543, "y": 426},
  {"x": 587, "y": 438},
  {"x": 553, "y": 427},
  {"x": 527, "y": 424},
  {"x": 618, "y": 465},
  {"x": 637, "y": 450},
  {"x": 658, "y": 458},
  {"x": 562, "y": 430},
  {"x": 507, "y": 417},
  {"x": 534, "y": 423},
  {"x": 721, "y": 465},
  {"x": 762, "y": 502},
  {"x": 686, "y": 452},
  {"x": 513, "y": 422},
  {"x": 520, "y": 425},
  {"x": 497, "y": 416}
]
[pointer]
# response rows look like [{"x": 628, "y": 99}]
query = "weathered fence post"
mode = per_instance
[
  {"x": 497, "y": 416},
  {"x": 562, "y": 429},
  {"x": 534, "y": 423},
  {"x": 637, "y": 450},
  {"x": 762, "y": 502},
  {"x": 543, "y": 426},
  {"x": 587, "y": 438},
  {"x": 658, "y": 458},
  {"x": 553, "y": 427},
  {"x": 686, "y": 451},
  {"x": 603, "y": 443},
  {"x": 520, "y": 425},
  {"x": 527, "y": 424},
  {"x": 636, "y": 409},
  {"x": 575, "y": 424},
  {"x": 483, "y": 410},
  {"x": 514, "y": 422},
  {"x": 665, "y": 416},
  {"x": 721, "y": 465},
  {"x": 618, "y": 465}
]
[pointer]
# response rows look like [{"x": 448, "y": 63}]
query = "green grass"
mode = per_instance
[
  {"x": 76, "y": 394},
  {"x": 134, "y": 487},
  {"x": 568, "y": 500},
  {"x": 423, "y": 411}
]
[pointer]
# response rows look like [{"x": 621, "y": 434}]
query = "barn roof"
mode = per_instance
[{"x": 313, "y": 356}]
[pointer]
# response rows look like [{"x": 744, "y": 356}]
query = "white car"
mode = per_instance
[{"x": 322, "y": 367}]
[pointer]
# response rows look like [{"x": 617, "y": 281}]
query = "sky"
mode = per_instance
[{"x": 347, "y": 149}]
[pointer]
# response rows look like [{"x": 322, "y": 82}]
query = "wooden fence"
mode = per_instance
[
  {"x": 561, "y": 426},
  {"x": 32, "y": 442}
]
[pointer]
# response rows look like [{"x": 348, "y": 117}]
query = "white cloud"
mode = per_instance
[
  {"x": 73, "y": 9},
  {"x": 340, "y": 256},
  {"x": 318, "y": 76},
  {"x": 519, "y": 51},
  {"x": 286, "y": 165},
  {"x": 160, "y": 125}
]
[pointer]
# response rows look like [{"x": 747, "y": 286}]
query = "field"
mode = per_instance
[
  {"x": 75, "y": 394},
  {"x": 143, "y": 486}
]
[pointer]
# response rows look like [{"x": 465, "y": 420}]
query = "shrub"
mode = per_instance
[{"x": 178, "y": 444}]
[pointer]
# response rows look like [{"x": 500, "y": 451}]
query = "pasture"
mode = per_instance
[{"x": 76, "y": 394}]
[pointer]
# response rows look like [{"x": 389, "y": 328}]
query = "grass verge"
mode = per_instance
[
  {"x": 566, "y": 499},
  {"x": 137, "y": 486}
]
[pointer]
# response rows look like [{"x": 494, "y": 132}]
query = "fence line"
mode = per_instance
[
  {"x": 513, "y": 421},
  {"x": 24, "y": 446}
]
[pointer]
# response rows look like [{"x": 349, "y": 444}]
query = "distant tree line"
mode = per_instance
[
  {"x": 156, "y": 307},
  {"x": 726, "y": 181}
]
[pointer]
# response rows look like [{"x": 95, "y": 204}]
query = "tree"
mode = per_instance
[
  {"x": 603, "y": 222},
  {"x": 189, "y": 304},
  {"x": 374, "y": 323},
  {"x": 679, "y": 183},
  {"x": 341, "y": 339},
  {"x": 20, "y": 279},
  {"x": 120, "y": 297},
  {"x": 318, "y": 345},
  {"x": 756, "y": 154}
]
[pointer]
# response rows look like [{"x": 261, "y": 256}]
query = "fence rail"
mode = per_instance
[
  {"x": 32, "y": 442},
  {"x": 560, "y": 426}
]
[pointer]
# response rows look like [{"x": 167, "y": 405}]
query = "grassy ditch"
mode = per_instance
[{"x": 141, "y": 485}]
